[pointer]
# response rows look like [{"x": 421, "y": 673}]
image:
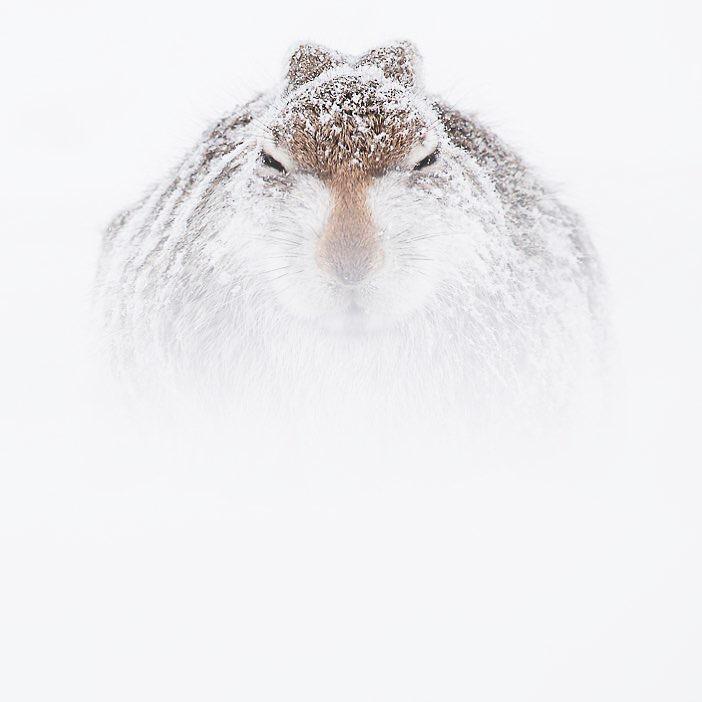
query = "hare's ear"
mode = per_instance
[
  {"x": 400, "y": 61},
  {"x": 308, "y": 61}
]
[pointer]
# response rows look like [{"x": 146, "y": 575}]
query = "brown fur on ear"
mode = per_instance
[
  {"x": 309, "y": 61},
  {"x": 400, "y": 61}
]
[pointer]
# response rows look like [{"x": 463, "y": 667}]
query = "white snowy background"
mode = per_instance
[{"x": 132, "y": 572}]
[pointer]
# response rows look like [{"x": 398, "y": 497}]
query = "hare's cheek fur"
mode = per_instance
[
  {"x": 282, "y": 227},
  {"x": 426, "y": 240}
]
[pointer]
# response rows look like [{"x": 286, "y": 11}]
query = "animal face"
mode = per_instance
[
  {"x": 348, "y": 200},
  {"x": 351, "y": 189}
]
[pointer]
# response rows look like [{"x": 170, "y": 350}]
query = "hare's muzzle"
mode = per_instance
[{"x": 349, "y": 249}]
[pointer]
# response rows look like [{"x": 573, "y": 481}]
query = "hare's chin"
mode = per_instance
[
  {"x": 380, "y": 304},
  {"x": 355, "y": 322},
  {"x": 350, "y": 317}
]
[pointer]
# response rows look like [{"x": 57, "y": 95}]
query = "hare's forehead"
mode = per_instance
[{"x": 348, "y": 123}]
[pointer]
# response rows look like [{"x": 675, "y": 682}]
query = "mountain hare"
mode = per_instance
[{"x": 347, "y": 239}]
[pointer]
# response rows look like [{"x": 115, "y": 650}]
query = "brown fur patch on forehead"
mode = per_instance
[{"x": 348, "y": 126}]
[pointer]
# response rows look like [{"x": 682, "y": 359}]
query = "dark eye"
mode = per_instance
[
  {"x": 270, "y": 162},
  {"x": 427, "y": 160}
]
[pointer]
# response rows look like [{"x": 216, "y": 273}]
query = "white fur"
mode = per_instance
[{"x": 458, "y": 315}]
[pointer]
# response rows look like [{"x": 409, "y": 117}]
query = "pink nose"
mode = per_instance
[{"x": 349, "y": 250}]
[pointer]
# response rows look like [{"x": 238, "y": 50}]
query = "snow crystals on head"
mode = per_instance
[
  {"x": 308, "y": 61},
  {"x": 399, "y": 62},
  {"x": 341, "y": 115}
]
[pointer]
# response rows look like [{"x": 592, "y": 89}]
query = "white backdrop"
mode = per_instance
[{"x": 153, "y": 575}]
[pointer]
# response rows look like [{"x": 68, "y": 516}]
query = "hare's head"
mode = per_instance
[{"x": 362, "y": 207}]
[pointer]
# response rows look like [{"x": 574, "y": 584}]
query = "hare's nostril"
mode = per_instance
[{"x": 349, "y": 273}]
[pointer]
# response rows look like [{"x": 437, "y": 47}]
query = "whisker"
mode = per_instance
[
  {"x": 283, "y": 290},
  {"x": 273, "y": 270},
  {"x": 423, "y": 237}
]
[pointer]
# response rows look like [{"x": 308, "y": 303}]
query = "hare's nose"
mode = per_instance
[
  {"x": 352, "y": 261},
  {"x": 349, "y": 249}
]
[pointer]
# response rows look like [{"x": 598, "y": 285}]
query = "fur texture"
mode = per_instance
[{"x": 347, "y": 238}]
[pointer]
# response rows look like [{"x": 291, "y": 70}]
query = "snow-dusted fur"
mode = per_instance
[{"x": 487, "y": 299}]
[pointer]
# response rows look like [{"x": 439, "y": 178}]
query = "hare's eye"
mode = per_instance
[
  {"x": 270, "y": 162},
  {"x": 427, "y": 160}
]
